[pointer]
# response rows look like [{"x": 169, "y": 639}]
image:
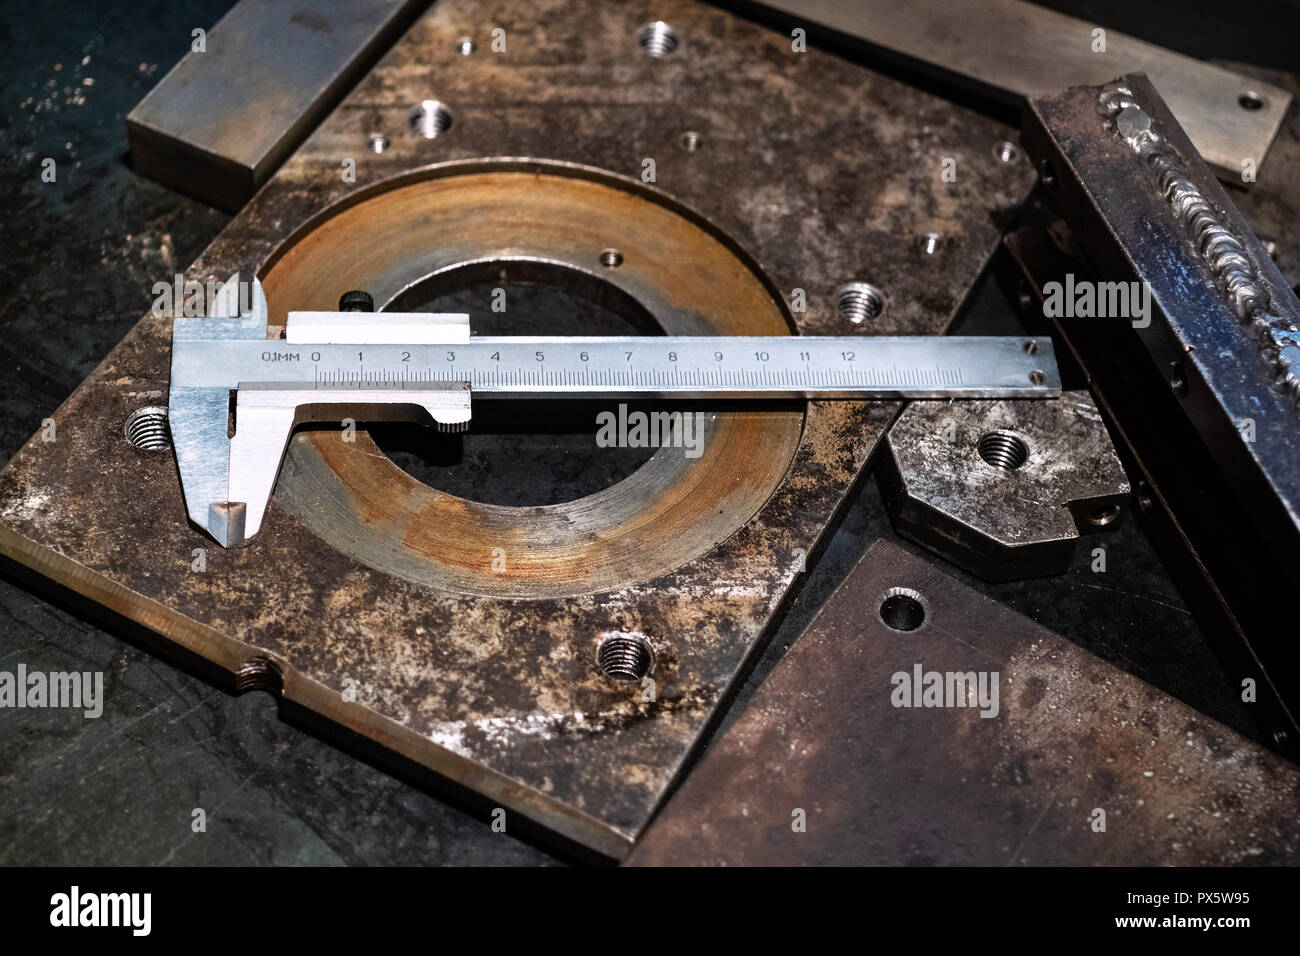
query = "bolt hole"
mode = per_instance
[
  {"x": 1144, "y": 497},
  {"x": 1104, "y": 516},
  {"x": 1046, "y": 173},
  {"x": 902, "y": 609},
  {"x": 146, "y": 428},
  {"x": 930, "y": 243},
  {"x": 1178, "y": 379},
  {"x": 430, "y": 119},
  {"x": 1250, "y": 102},
  {"x": 1024, "y": 297},
  {"x": 465, "y": 46},
  {"x": 658, "y": 39},
  {"x": 260, "y": 673},
  {"x": 625, "y": 658},
  {"x": 1038, "y": 377},
  {"x": 1006, "y": 152},
  {"x": 611, "y": 258},
  {"x": 377, "y": 142},
  {"x": 690, "y": 141},
  {"x": 1003, "y": 449},
  {"x": 1029, "y": 347},
  {"x": 858, "y": 302}
]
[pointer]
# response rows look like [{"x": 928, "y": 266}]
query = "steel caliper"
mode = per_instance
[{"x": 423, "y": 367}]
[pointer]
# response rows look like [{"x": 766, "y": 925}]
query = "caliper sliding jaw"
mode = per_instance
[{"x": 228, "y": 473}]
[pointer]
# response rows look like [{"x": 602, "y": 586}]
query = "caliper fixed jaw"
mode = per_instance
[{"x": 228, "y": 464}]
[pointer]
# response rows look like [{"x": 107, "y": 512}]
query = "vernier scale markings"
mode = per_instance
[{"x": 424, "y": 367}]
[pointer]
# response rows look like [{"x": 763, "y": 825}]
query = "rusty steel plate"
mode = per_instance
[
  {"x": 369, "y": 599},
  {"x": 1081, "y": 764}
]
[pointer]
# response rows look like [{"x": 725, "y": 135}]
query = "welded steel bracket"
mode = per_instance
[{"x": 1204, "y": 389}]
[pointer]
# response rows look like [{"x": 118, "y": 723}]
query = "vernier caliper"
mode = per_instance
[{"x": 423, "y": 367}]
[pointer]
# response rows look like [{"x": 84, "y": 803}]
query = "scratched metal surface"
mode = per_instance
[
  {"x": 504, "y": 697},
  {"x": 121, "y": 789},
  {"x": 1010, "y": 779}
]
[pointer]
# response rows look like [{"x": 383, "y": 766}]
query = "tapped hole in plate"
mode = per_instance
[
  {"x": 465, "y": 46},
  {"x": 658, "y": 39},
  {"x": 377, "y": 142},
  {"x": 430, "y": 118},
  {"x": 624, "y": 657},
  {"x": 859, "y": 301},
  {"x": 1006, "y": 151},
  {"x": 1102, "y": 517},
  {"x": 611, "y": 258},
  {"x": 146, "y": 428},
  {"x": 1250, "y": 101},
  {"x": 260, "y": 673},
  {"x": 1003, "y": 449}
]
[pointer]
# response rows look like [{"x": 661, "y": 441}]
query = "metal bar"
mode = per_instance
[
  {"x": 645, "y": 367},
  {"x": 228, "y": 114},
  {"x": 1144, "y": 209},
  {"x": 1207, "y": 386},
  {"x": 1014, "y": 49}
]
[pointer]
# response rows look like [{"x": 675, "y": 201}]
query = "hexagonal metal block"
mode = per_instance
[{"x": 1002, "y": 488}]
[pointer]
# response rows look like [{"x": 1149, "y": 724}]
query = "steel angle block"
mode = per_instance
[{"x": 1003, "y": 489}]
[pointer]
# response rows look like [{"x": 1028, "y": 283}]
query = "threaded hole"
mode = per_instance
[
  {"x": 1251, "y": 101},
  {"x": 859, "y": 302},
  {"x": 260, "y": 673},
  {"x": 902, "y": 609},
  {"x": 465, "y": 46},
  {"x": 658, "y": 39},
  {"x": 146, "y": 428},
  {"x": 1004, "y": 450},
  {"x": 611, "y": 258},
  {"x": 625, "y": 658},
  {"x": 430, "y": 119},
  {"x": 690, "y": 141},
  {"x": 1006, "y": 151},
  {"x": 1178, "y": 379},
  {"x": 1102, "y": 517},
  {"x": 930, "y": 243},
  {"x": 377, "y": 142},
  {"x": 1046, "y": 173}
]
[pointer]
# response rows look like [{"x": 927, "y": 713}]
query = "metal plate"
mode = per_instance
[
  {"x": 814, "y": 171},
  {"x": 1017, "y": 49},
  {"x": 886, "y": 785},
  {"x": 195, "y": 131}
]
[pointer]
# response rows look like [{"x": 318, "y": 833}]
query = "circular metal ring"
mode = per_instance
[{"x": 684, "y": 274}]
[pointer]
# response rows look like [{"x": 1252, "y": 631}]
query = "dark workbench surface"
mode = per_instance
[{"x": 80, "y": 257}]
